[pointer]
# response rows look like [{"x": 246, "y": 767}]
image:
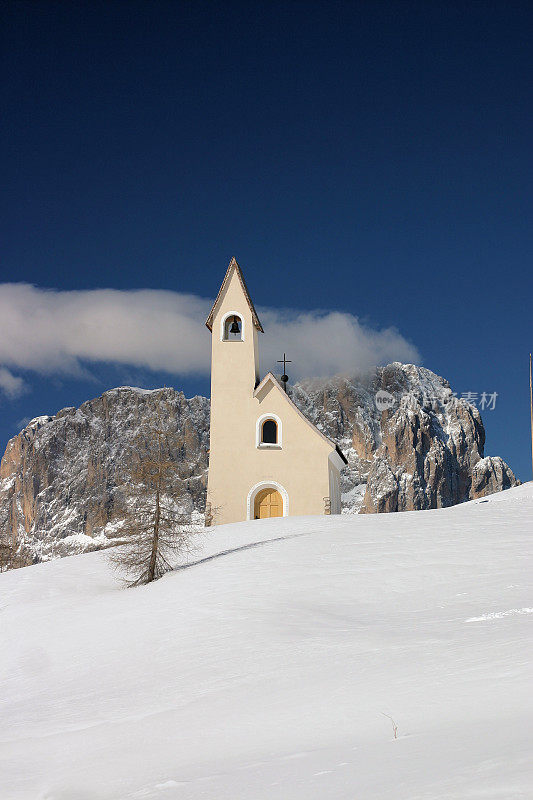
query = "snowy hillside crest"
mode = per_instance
[{"x": 269, "y": 665}]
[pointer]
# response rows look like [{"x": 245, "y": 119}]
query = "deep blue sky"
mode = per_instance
[{"x": 367, "y": 157}]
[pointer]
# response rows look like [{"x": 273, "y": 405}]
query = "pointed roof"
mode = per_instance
[
  {"x": 233, "y": 265},
  {"x": 271, "y": 378}
]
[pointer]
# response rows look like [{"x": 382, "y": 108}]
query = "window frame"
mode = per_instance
[{"x": 259, "y": 432}]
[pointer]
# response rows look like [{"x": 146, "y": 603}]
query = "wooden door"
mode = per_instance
[{"x": 268, "y": 503}]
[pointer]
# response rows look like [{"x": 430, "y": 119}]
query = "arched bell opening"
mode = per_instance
[{"x": 232, "y": 328}]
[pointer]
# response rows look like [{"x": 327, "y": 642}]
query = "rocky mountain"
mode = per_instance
[
  {"x": 422, "y": 448},
  {"x": 63, "y": 479}
]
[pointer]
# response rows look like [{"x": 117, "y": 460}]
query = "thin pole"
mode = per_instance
[
  {"x": 284, "y": 377},
  {"x": 531, "y": 409}
]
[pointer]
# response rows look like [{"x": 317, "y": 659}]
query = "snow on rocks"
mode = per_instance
[{"x": 61, "y": 481}]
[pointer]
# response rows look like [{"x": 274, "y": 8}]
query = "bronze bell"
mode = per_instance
[{"x": 234, "y": 326}]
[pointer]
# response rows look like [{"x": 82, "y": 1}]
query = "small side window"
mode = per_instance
[{"x": 269, "y": 432}]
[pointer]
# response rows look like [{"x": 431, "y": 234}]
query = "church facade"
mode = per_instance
[{"x": 266, "y": 458}]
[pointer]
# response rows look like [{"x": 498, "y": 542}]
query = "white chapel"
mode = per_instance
[{"x": 266, "y": 459}]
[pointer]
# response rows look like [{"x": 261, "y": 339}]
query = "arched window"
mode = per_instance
[
  {"x": 233, "y": 329},
  {"x": 269, "y": 432}
]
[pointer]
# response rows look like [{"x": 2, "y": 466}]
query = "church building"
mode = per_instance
[{"x": 266, "y": 459}]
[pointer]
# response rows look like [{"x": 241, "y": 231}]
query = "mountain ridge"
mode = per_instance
[{"x": 61, "y": 487}]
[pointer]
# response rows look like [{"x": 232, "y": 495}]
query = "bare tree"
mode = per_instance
[{"x": 156, "y": 529}]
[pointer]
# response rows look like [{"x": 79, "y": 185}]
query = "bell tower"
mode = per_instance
[
  {"x": 266, "y": 458},
  {"x": 234, "y": 325}
]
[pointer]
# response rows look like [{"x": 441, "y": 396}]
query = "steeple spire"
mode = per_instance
[{"x": 233, "y": 266}]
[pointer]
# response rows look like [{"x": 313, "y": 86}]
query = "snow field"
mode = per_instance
[{"x": 266, "y": 666}]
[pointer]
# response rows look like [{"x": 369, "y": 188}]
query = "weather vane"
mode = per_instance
[{"x": 285, "y": 377}]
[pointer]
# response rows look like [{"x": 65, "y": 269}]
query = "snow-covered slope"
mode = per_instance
[{"x": 266, "y": 668}]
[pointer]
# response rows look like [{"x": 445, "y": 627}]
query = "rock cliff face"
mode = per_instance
[
  {"x": 62, "y": 487},
  {"x": 62, "y": 479},
  {"x": 423, "y": 448},
  {"x": 491, "y": 474}
]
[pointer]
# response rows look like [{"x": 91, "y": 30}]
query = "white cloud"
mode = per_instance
[
  {"x": 55, "y": 332},
  {"x": 11, "y": 385},
  {"x": 329, "y": 343},
  {"x": 52, "y": 332},
  {"x": 21, "y": 423}
]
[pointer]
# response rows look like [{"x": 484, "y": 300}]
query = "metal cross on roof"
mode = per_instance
[{"x": 285, "y": 377}]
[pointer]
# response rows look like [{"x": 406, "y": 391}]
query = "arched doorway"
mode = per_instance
[
  {"x": 268, "y": 503},
  {"x": 258, "y": 493}
]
